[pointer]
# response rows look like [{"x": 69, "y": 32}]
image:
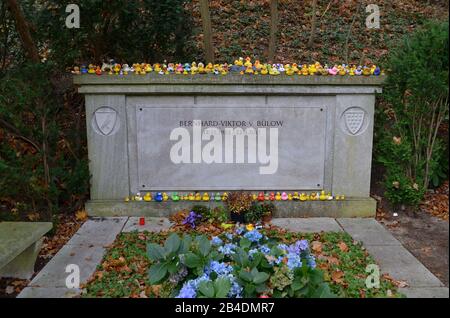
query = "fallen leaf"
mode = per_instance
[
  {"x": 81, "y": 215},
  {"x": 337, "y": 277},
  {"x": 316, "y": 246},
  {"x": 343, "y": 247}
]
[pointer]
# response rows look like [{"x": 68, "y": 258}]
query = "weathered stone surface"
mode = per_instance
[
  {"x": 308, "y": 225},
  {"x": 128, "y": 152},
  {"x": 152, "y": 224},
  {"x": 49, "y": 292},
  {"x": 368, "y": 231},
  {"x": 402, "y": 265},
  {"x": 17, "y": 237},
  {"x": 425, "y": 292},
  {"x": 98, "y": 231},
  {"x": 347, "y": 208},
  {"x": 22, "y": 266},
  {"x": 54, "y": 273}
]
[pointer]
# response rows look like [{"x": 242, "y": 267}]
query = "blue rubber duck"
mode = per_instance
[
  {"x": 377, "y": 71},
  {"x": 158, "y": 197}
]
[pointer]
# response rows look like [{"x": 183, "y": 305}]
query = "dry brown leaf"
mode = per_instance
[
  {"x": 338, "y": 276},
  {"x": 343, "y": 247},
  {"x": 316, "y": 246},
  {"x": 81, "y": 215}
]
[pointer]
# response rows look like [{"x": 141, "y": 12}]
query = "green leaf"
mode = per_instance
[
  {"x": 172, "y": 267},
  {"x": 323, "y": 291},
  {"x": 204, "y": 245},
  {"x": 245, "y": 242},
  {"x": 261, "y": 277},
  {"x": 185, "y": 244},
  {"x": 222, "y": 287},
  {"x": 192, "y": 260},
  {"x": 246, "y": 276},
  {"x": 157, "y": 272},
  {"x": 172, "y": 244},
  {"x": 206, "y": 288},
  {"x": 155, "y": 252}
]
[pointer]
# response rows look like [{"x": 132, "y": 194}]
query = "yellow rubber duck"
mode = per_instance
[
  {"x": 289, "y": 70},
  {"x": 249, "y": 70},
  {"x": 127, "y": 199},
  {"x": 313, "y": 196},
  {"x": 191, "y": 197},
  {"x": 305, "y": 70},
  {"x": 185, "y": 197},
  {"x": 224, "y": 196},
  {"x": 165, "y": 196},
  {"x": 366, "y": 71},
  {"x": 254, "y": 197},
  {"x": 290, "y": 197},
  {"x": 312, "y": 69},
  {"x": 303, "y": 197},
  {"x": 264, "y": 70},
  {"x": 239, "y": 62},
  {"x": 91, "y": 69},
  {"x": 198, "y": 197},
  {"x": 148, "y": 197},
  {"x": 295, "y": 197},
  {"x": 258, "y": 66},
  {"x": 329, "y": 196},
  {"x": 248, "y": 62},
  {"x": 205, "y": 196},
  {"x": 295, "y": 67},
  {"x": 278, "y": 196},
  {"x": 322, "y": 196}
]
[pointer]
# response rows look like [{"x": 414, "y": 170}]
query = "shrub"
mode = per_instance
[{"x": 416, "y": 94}]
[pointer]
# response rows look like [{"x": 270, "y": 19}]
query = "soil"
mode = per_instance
[
  {"x": 66, "y": 228},
  {"x": 420, "y": 231}
]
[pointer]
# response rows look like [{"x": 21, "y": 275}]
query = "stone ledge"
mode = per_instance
[
  {"x": 351, "y": 207},
  {"x": 229, "y": 79}
]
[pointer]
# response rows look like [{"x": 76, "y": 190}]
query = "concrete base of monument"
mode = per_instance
[{"x": 350, "y": 207}]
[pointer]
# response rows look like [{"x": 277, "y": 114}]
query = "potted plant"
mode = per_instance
[
  {"x": 268, "y": 209},
  {"x": 239, "y": 203}
]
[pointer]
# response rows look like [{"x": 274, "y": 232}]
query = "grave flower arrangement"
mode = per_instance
[
  {"x": 239, "y": 203},
  {"x": 244, "y": 263}
]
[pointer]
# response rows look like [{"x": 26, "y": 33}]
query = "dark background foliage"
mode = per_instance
[{"x": 42, "y": 117}]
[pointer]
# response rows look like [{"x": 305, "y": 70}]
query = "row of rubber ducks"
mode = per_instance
[
  {"x": 240, "y": 66},
  {"x": 261, "y": 197}
]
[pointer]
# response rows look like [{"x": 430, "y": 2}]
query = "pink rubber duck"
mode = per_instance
[
  {"x": 333, "y": 71},
  {"x": 284, "y": 196}
]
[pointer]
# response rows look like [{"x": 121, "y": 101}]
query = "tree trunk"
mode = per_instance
[
  {"x": 313, "y": 24},
  {"x": 273, "y": 30},
  {"x": 207, "y": 33},
  {"x": 24, "y": 31}
]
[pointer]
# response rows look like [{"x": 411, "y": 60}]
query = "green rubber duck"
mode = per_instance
[
  {"x": 175, "y": 196},
  {"x": 218, "y": 197}
]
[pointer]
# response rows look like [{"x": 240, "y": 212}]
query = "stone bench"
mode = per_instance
[{"x": 20, "y": 243}]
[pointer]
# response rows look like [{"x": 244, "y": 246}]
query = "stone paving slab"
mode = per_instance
[
  {"x": 49, "y": 292},
  {"x": 402, "y": 265},
  {"x": 425, "y": 292},
  {"x": 98, "y": 231},
  {"x": 368, "y": 231},
  {"x": 308, "y": 225},
  {"x": 54, "y": 273},
  {"x": 152, "y": 224}
]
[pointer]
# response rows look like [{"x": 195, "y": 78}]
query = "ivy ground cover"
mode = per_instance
[{"x": 237, "y": 262}]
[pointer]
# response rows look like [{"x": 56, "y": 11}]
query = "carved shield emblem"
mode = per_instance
[
  {"x": 105, "y": 118},
  {"x": 354, "y": 120}
]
